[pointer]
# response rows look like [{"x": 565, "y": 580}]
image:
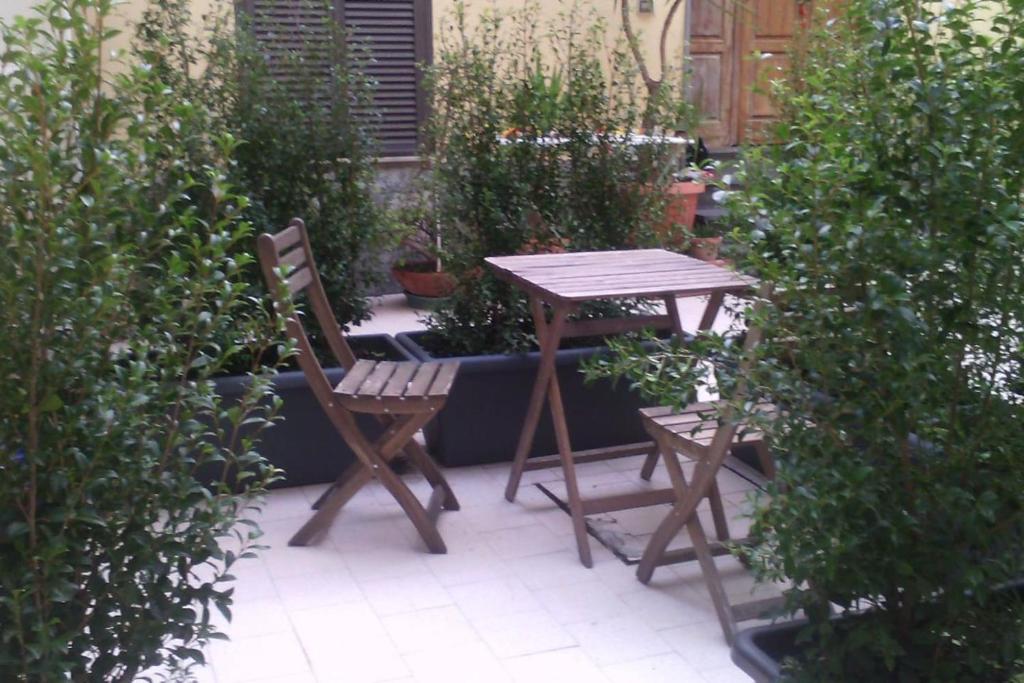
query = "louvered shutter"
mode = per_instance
[
  {"x": 285, "y": 29},
  {"x": 395, "y": 35},
  {"x": 392, "y": 36}
]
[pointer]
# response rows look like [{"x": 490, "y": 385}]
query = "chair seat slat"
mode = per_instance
[
  {"x": 443, "y": 381},
  {"x": 377, "y": 379},
  {"x": 421, "y": 381},
  {"x": 399, "y": 381},
  {"x": 354, "y": 378}
]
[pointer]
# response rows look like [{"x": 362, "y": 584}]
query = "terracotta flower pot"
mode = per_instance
[
  {"x": 421, "y": 279},
  {"x": 705, "y": 248},
  {"x": 680, "y": 212}
]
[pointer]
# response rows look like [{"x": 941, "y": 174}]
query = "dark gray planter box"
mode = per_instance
[
  {"x": 487, "y": 406},
  {"x": 760, "y": 651},
  {"x": 305, "y": 444}
]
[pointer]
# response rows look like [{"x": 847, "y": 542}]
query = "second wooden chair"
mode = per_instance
[{"x": 403, "y": 395}]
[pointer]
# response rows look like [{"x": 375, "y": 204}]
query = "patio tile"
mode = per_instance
[
  {"x": 317, "y": 589},
  {"x": 668, "y": 604},
  {"x": 348, "y": 643},
  {"x": 523, "y": 633},
  {"x": 667, "y": 668},
  {"x": 551, "y": 569},
  {"x": 454, "y": 569},
  {"x": 557, "y": 666},
  {"x": 509, "y": 602},
  {"x": 701, "y": 644},
  {"x": 289, "y": 503},
  {"x": 524, "y": 541},
  {"x": 728, "y": 674},
  {"x": 474, "y": 662},
  {"x": 619, "y": 639},
  {"x": 435, "y": 629},
  {"x": 250, "y": 618},
  {"x": 585, "y": 601},
  {"x": 386, "y": 562},
  {"x": 248, "y": 659},
  {"x": 494, "y": 598},
  {"x": 399, "y": 595}
]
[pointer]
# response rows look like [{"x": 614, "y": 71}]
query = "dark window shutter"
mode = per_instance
[
  {"x": 392, "y": 36},
  {"x": 284, "y": 29}
]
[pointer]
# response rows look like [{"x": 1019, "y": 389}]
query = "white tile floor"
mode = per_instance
[{"x": 509, "y": 602}]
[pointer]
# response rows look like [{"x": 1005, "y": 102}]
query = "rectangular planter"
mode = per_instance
[
  {"x": 761, "y": 650},
  {"x": 305, "y": 444},
  {"x": 487, "y": 406}
]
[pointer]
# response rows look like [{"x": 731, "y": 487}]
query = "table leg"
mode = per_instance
[
  {"x": 549, "y": 336},
  {"x": 711, "y": 310}
]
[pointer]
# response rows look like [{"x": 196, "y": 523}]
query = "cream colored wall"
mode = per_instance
[
  {"x": 11, "y": 8},
  {"x": 125, "y": 16},
  {"x": 648, "y": 26}
]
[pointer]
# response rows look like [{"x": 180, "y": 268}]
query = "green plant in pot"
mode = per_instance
[
  {"x": 419, "y": 270},
  {"x": 890, "y": 226},
  {"x": 128, "y": 484},
  {"x": 705, "y": 241}
]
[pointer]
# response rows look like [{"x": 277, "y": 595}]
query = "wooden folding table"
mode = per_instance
[{"x": 564, "y": 281}]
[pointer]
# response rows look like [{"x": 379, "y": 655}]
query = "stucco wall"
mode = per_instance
[{"x": 647, "y": 25}]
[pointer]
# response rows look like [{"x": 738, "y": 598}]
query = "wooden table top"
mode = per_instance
[{"x": 640, "y": 273}]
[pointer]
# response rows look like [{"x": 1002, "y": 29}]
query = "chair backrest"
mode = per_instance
[
  {"x": 289, "y": 269},
  {"x": 707, "y": 468}
]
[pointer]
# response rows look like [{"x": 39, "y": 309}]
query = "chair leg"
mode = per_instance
[
  {"x": 712, "y": 579},
  {"x": 338, "y": 483},
  {"x": 647, "y": 471},
  {"x": 392, "y": 441},
  {"x": 355, "y": 478},
  {"x": 426, "y": 465},
  {"x": 766, "y": 459},
  {"x": 718, "y": 513},
  {"x": 414, "y": 510},
  {"x": 656, "y": 547}
]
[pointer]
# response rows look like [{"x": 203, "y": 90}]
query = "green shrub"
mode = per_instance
[
  {"x": 500, "y": 92},
  {"x": 306, "y": 143},
  {"x": 118, "y": 286},
  {"x": 889, "y": 221}
]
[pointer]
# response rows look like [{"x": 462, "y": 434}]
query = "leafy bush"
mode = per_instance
[
  {"x": 527, "y": 154},
  {"x": 118, "y": 286},
  {"x": 305, "y": 140},
  {"x": 889, "y": 220}
]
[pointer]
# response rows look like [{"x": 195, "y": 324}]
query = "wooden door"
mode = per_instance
[
  {"x": 736, "y": 48},
  {"x": 764, "y": 40},
  {"x": 712, "y": 55}
]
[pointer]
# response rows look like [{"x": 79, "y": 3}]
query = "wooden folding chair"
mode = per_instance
[
  {"x": 404, "y": 395},
  {"x": 705, "y": 433}
]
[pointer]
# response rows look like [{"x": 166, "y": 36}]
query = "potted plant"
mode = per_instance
[
  {"x": 122, "y": 275},
  {"x": 297, "y": 160},
  {"x": 893, "y": 343},
  {"x": 705, "y": 242},
  {"x": 422, "y": 276},
  {"x": 500, "y": 197}
]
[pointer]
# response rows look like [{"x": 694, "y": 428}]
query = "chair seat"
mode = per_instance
[
  {"x": 396, "y": 387},
  {"x": 693, "y": 428}
]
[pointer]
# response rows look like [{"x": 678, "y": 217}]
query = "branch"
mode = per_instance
[
  {"x": 664, "y": 33},
  {"x": 634, "y": 46}
]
